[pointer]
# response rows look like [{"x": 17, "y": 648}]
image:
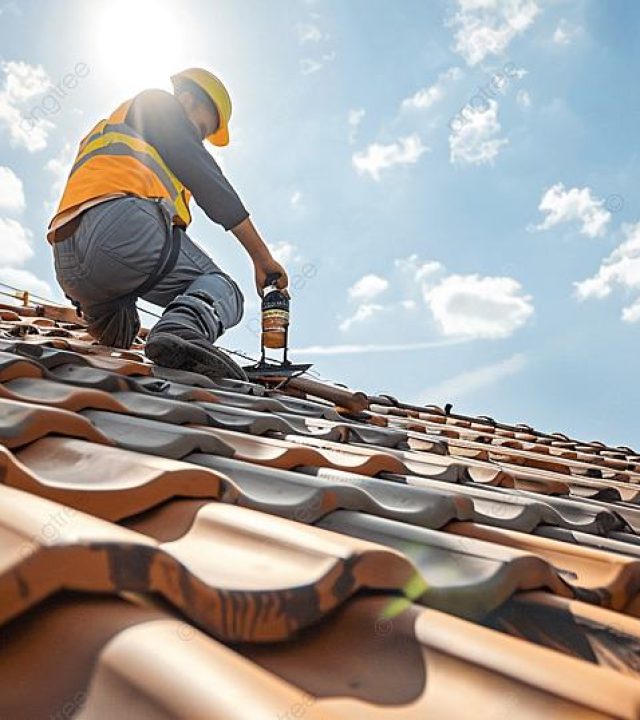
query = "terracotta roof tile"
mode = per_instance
[
  {"x": 592, "y": 633},
  {"x": 105, "y": 481},
  {"x": 154, "y": 437},
  {"x": 467, "y": 578},
  {"x": 308, "y": 497},
  {"x": 310, "y": 570},
  {"x": 606, "y": 578},
  {"x": 229, "y": 549},
  {"x": 443, "y": 667},
  {"x": 22, "y": 423}
]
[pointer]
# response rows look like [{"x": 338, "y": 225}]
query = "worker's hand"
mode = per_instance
[{"x": 267, "y": 267}]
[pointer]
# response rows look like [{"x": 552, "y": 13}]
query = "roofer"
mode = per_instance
[{"x": 119, "y": 232}]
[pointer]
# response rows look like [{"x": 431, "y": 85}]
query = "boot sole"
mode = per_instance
[{"x": 171, "y": 351}]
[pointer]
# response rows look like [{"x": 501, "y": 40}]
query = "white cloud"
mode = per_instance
[
  {"x": 471, "y": 381},
  {"x": 309, "y": 32},
  {"x": 417, "y": 270},
  {"x": 487, "y": 27},
  {"x": 631, "y": 314},
  {"x": 411, "y": 280},
  {"x": 11, "y": 191},
  {"x": 426, "y": 97},
  {"x": 15, "y": 241},
  {"x": 475, "y": 141},
  {"x": 523, "y": 99},
  {"x": 363, "y": 312},
  {"x": 564, "y": 33},
  {"x": 406, "y": 151},
  {"x": 480, "y": 307},
  {"x": 22, "y": 83},
  {"x": 621, "y": 268},
  {"x": 25, "y": 280},
  {"x": 296, "y": 197},
  {"x": 364, "y": 291},
  {"x": 462, "y": 306},
  {"x": 574, "y": 205},
  {"x": 284, "y": 252},
  {"x": 368, "y": 287},
  {"x": 360, "y": 348},
  {"x": 354, "y": 118}
]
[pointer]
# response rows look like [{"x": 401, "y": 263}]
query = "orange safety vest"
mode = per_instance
[{"x": 114, "y": 158}]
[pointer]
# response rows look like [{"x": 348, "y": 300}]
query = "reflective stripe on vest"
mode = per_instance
[{"x": 112, "y": 139}]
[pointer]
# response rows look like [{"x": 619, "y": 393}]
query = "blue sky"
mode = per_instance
[{"x": 451, "y": 184}]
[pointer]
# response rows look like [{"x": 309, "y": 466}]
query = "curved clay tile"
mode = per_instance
[
  {"x": 13, "y": 366},
  {"x": 107, "y": 482},
  {"x": 79, "y": 625},
  {"x": 295, "y": 450},
  {"x": 168, "y": 669},
  {"x": 184, "y": 377},
  {"x": 120, "y": 365},
  {"x": 156, "y": 438},
  {"x": 523, "y": 458},
  {"x": 566, "y": 483},
  {"x": 305, "y": 406},
  {"x": 606, "y": 491},
  {"x": 22, "y": 423},
  {"x": 308, "y": 496},
  {"x": 276, "y": 576},
  {"x": 120, "y": 655},
  {"x": 435, "y": 665},
  {"x": 587, "y": 515},
  {"x": 260, "y": 423},
  {"x": 599, "y": 636},
  {"x": 625, "y": 544},
  {"x": 466, "y": 469},
  {"x": 405, "y": 461},
  {"x": 267, "y": 451},
  {"x": 242, "y": 575},
  {"x": 361, "y": 433},
  {"x": 517, "y": 511},
  {"x": 59, "y": 395},
  {"x": 489, "y": 474},
  {"x": 466, "y": 578},
  {"x": 46, "y": 352},
  {"x": 89, "y": 377},
  {"x": 422, "y": 442},
  {"x": 159, "y": 408},
  {"x": 604, "y": 578},
  {"x": 540, "y": 485}
]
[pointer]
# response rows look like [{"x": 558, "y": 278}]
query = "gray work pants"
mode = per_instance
[{"x": 115, "y": 248}]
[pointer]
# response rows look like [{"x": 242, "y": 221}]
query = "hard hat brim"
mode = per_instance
[{"x": 221, "y": 136}]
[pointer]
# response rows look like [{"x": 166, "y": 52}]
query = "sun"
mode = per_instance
[{"x": 138, "y": 42}]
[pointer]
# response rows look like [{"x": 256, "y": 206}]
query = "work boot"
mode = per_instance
[
  {"x": 194, "y": 354},
  {"x": 183, "y": 338}
]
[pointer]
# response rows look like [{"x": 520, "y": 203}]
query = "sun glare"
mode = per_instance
[{"x": 137, "y": 40}]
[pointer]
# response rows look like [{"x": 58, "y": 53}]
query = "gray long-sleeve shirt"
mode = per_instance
[{"x": 163, "y": 123}]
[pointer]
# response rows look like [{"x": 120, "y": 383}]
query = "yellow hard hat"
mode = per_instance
[{"x": 217, "y": 93}]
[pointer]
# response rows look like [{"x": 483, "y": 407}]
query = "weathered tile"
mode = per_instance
[
  {"x": 465, "y": 578},
  {"x": 600, "y": 577}
]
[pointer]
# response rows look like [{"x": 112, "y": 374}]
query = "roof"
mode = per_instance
[{"x": 171, "y": 547}]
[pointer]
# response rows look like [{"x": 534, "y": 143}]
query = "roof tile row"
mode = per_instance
[{"x": 226, "y": 549}]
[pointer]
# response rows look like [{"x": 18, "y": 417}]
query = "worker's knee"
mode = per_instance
[
  {"x": 237, "y": 301},
  {"x": 228, "y": 297}
]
